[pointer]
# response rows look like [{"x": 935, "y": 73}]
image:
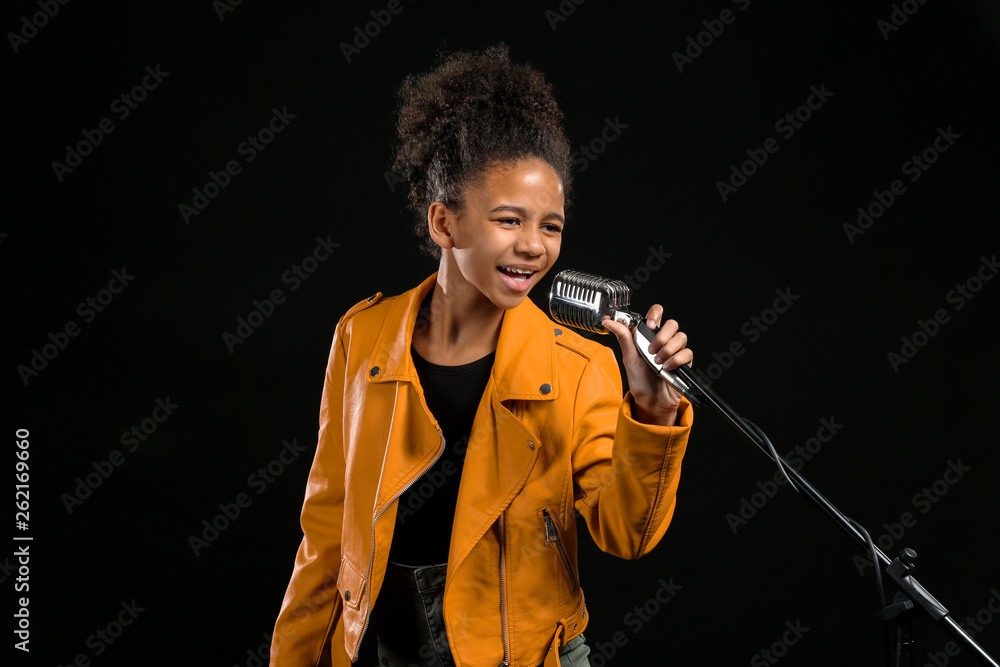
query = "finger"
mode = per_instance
[
  {"x": 653, "y": 316},
  {"x": 630, "y": 353},
  {"x": 676, "y": 343},
  {"x": 667, "y": 331},
  {"x": 682, "y": 358},
  {"x": 621, "y": 332}
]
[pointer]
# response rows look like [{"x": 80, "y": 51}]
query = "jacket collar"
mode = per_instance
[{"x": 524, "y": 367}]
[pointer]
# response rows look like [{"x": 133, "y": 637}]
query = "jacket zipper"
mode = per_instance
[
  {"x": 503, "y": 595},
  {"x": 552, "y": 535},
  {"x": 371, "y": 558}
]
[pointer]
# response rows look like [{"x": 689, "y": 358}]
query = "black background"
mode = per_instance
[{"x": 654, "y": 186}]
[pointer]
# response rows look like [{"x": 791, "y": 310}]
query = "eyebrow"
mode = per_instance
[{"x": 524, "y": 214}]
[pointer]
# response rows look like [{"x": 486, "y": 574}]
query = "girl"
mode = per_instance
[{"x": 461, "y": 429}]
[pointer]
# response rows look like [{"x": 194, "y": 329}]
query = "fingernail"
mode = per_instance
[{"x": 650, "y": 324}]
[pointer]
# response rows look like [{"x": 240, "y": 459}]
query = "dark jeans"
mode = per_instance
[
  {"x": 409, "y": 621},
  {"x": 409, "y": 617}
]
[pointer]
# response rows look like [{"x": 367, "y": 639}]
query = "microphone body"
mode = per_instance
[{"x": 582, "y": 300}]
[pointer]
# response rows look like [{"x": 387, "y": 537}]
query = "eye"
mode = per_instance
[
  {"x": 509, "y": 221},
  {"x": 557, "y": 229}
]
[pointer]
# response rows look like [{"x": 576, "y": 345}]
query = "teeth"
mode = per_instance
[{"x": 524, "y": 271}]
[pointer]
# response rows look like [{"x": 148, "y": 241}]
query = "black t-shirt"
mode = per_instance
[{"x": 427, "y": 508}]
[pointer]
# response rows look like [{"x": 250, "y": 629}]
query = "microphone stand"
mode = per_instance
[
  {"x": 911, "y": 594},
  {"x": 583, "y": 300}
]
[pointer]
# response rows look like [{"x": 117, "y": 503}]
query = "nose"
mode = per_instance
[{"x": 529, "y": 241}]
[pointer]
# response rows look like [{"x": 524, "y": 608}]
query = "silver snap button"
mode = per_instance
[
  {"x": 347, "y": 595},
  {"x": 559, "y": 332},
  {"x": 545, "y": 388},
  {"x": 374, "y": 371},
  {"x": 531, "y": 445}
]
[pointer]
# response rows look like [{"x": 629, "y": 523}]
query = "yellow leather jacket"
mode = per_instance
[{"x": 552, "y": 435}]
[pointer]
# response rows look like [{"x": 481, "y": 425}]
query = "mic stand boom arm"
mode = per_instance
[{"x": 899, "y": 569}]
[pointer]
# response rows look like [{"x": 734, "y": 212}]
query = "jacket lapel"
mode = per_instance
[{"x": 502, "y": 450}]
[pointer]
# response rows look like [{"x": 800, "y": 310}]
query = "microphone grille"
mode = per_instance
[{"x": 582, "y": 300}]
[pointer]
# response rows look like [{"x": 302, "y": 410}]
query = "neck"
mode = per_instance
[{"x": 463, "y": 325}]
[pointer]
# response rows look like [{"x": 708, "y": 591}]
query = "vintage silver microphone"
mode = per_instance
[{"x": 583, "y": 300}]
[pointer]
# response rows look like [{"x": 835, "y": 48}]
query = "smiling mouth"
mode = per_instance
[{"x": 518, "y": 275}]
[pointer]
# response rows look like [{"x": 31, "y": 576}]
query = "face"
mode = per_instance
[{"x": 508, "y": 234}]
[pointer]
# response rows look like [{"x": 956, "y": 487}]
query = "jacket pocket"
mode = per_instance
[
  {"x": 554, "y": 541},
  {"x": 351, "y": 584}
]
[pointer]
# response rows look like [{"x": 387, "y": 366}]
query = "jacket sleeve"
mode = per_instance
[
  {"x": 312, "y": 605},
  {"x": 625, "y": 473}
]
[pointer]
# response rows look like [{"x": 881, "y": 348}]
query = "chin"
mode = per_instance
[
  {"x": 505, "y": 298},
  {"x": 508, "y": 301}
]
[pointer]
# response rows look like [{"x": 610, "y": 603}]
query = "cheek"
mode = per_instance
[
  {"x": 475, "y": 266},
  {"x": 552, "y": 248}
]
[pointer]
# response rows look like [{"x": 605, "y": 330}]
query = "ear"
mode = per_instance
[{"x": 440, "y": 223}]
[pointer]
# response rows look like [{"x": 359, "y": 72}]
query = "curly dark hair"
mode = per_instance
[{"x": 472, "y": 112}]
